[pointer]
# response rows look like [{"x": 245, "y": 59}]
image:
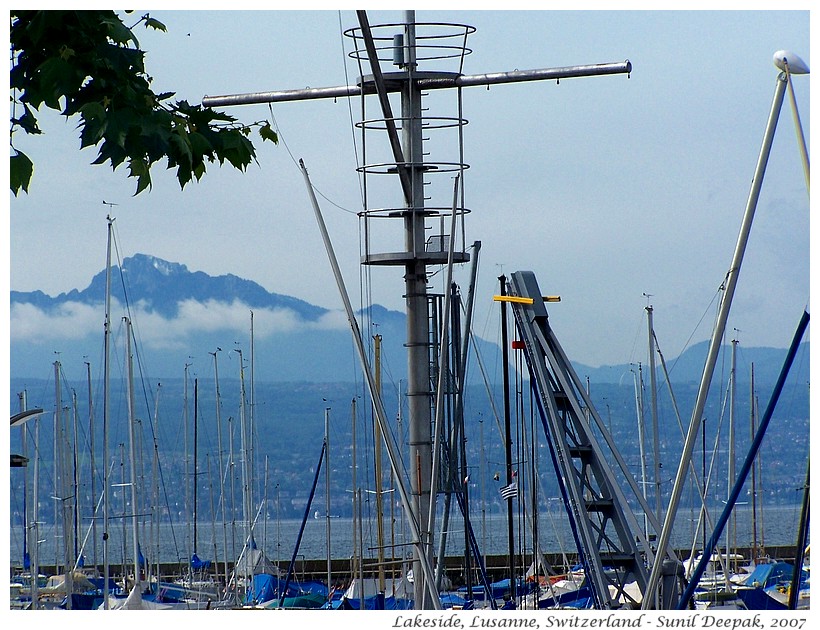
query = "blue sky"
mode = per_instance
[{"x": 606, "y": 187}]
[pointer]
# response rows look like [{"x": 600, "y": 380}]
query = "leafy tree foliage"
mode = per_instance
[{"x": 89, "y": 64}]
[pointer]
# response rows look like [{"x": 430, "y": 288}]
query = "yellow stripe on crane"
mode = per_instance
[
  {"x": 512, "y": 298},
  {"x": 524, "y": 300}
]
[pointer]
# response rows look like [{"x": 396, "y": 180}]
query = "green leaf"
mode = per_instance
[
  {"x": 199, "y": 144},
  {"x": 155, "y": 24},
  {"x": 139, "y": 169},
  {"x": 27, "y": 122},
  {"x": 118, "y": 31},
  {"x": 266, "y": 132},
  {"x": 57, "y": 78},
  {"x": 94, "y": 124},
  {"x": 91, "y": 63},
  {"x": 20, "y": 171}
]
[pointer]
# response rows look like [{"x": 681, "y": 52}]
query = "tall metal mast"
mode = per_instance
[
  {"x": 405, "y": 45},
  {"x": 106, "y": 410},
  {"x": 653, "y": 390},
  {"x": 132, "y": 453}
]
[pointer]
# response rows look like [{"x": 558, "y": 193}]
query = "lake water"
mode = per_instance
[{"x": 278, "y": 538}]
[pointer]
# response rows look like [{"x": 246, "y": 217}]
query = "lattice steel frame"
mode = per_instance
[{"x": 605, "y": 527}]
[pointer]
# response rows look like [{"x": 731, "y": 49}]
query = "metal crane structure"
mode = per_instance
[
  {"x": 606, "y": 531},
  {"x": 405, "y": 45}
]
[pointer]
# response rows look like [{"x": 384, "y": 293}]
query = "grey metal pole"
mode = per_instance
[
  {"x": 637, "y": 380},
  {"x": 132, "y": 452},
  {"x": 714, "y": 346},
  {"x": 442, "y": 368},
  {"x": 106, "y": 405},
  {"x": 327, "y": 495},
  {"x": 221, "y": 465},
  {"x": 418, "y": 362},
  {"x": 653, "y": 391},
  {"x": 33, "y": 531},
  {"x": 465, "y": 80},
  {"x": 93, "y": 468}
]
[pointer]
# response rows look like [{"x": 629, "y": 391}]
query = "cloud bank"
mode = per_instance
[{"x": 76, "y": 321}]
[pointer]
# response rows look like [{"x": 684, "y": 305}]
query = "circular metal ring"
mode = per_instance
[
  {"x": 438, "y": 122},
  {"x": 391, "y": 168}
]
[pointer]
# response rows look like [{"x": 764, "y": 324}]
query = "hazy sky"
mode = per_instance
[{"x": 606, "y": 187}]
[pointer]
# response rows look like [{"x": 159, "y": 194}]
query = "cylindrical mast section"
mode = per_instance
[
  {"x": 415, "y": 279},
  {"x": 196, "y": 461},
  {"x": 377, "y": 443},
  {"x": 92, "y": 467},
  {"x": 133, "y": 452},
  {"x": 637, "y": 378},
  {"x": 327, "y": 497},
  {"x": 466, "y": 80},
  {"x": 185, "y": 471},
  {"x": 731, "y": 537},
  {"x": 653, "y": 391},
  {"x": 106, "y": 405},
  {"x": 221, "y": 460}
]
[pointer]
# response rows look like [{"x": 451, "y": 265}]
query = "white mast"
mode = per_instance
[
  {"x": 653, "y": 391},
  {"x": 132, "y": 453},
  {"x": 221, "y": 464},
  {"x": 106, "y": 403},
  {"x": 247, "y": 511}
]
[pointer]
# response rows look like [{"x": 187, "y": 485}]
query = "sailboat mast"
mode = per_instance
[
  {"x": 76, "y": 479},
  {"x": 63, "y": 502},
  {"x": 753, "y": 428},
  {"x": 106, "y": 406},
  {"x": 155, "y": 472},
  {"x": 132, "y": 453},
  {"x": 653, "y": 391},
  {"x": 251, "y": 423},
  {"x": 221, "y": 464},
  {"x": 56, "y": 451},
  {"x": 247, "y": 510},
  {"x": 196, "y": 454},
  {"x": 92, "y": 467},
  {"x": 731, "y": 538},
  {"x": 638, "y": 384},
  {"x": 377, "y": 443},
  {"x": 32, "y": 511},
  {"x": 327, "y": 496},
  {"x": 356, "y": 499},
  {"x": 186, "y": 472}
]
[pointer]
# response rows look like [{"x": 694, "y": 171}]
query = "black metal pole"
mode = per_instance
[
  {"x": 502, "y": 280},
  {"x": 196, "y": 409}
]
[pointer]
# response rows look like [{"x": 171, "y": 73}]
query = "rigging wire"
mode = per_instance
[{"x": 695, "y": 329}]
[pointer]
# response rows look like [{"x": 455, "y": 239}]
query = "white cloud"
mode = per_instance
[{"x": 74, "y": 320}]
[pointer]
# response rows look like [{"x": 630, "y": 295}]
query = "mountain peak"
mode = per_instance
[
  {"x": 145, "y": 261},
  {"x": 161, "y": 285}
]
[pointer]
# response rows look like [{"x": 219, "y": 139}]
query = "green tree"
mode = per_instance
[{"x": 89, "y": 64}]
